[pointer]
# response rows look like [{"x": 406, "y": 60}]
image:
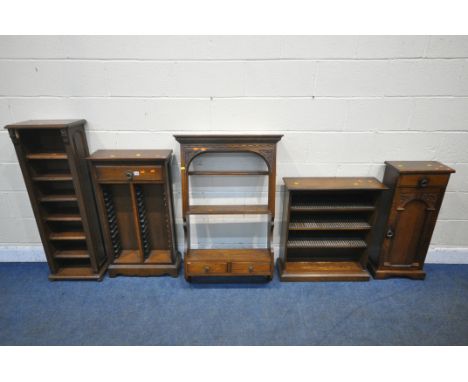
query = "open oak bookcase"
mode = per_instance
[
  {"x": 233, "y": 261},
  {"x": 327, "y": 228},
  {"x": 51, "y": 154}
]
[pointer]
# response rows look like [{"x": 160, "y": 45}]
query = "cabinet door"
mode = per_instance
[{"x": 411, "y": 223}]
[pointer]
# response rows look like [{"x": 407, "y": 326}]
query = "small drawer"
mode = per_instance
[
  {"x": 207, "y": 268},
  {"x": 128, "y": 173},
  {"x": 244, "y": 268},
  {"x": 423, "y": 181}
]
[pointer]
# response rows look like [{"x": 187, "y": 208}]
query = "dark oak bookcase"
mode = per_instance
[
  {"x": 215, "y": 262},
  {"x": 51, "y": 154},
  {"x": 327, "y": 226}
]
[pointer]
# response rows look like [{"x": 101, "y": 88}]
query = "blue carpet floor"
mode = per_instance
[{"x": 168, "y": 311}]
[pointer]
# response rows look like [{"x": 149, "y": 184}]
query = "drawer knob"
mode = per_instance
[
  {"x": 423, "y": 182},
  {"x": 129, "y": 175},
  {"x": 390, "y": 233},
  {"x": 251, "y": 268},
  {"x": 206, "y": 268}
]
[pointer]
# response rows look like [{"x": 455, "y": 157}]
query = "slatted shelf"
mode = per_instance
[
  {"x": 329, "y": 224},
  {"x": 332, "y": 206},
  {"x": 326, "y": 243}
]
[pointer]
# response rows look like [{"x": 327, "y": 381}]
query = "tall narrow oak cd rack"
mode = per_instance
[
  {"x": 228, "y": 262},
  {"x": 51, "y": 154}
]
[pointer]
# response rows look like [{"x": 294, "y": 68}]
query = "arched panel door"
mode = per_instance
[{"x": 412, "y": 216}]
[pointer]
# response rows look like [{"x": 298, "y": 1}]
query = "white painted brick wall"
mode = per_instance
[{"x": 345, "y": 104}]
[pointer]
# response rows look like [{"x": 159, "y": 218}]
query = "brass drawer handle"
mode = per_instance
[
  {"x": 251, "y": 268},
  {"x": 423, "y": 182},
  {"x": 206, "y": 268},
  {"x": 129, "y": 175}
]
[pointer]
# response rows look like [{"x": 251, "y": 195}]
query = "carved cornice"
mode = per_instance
[{"x": 266, "y": 150}]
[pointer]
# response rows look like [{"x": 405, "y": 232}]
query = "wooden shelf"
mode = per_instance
[
  {"x": 323, "y": 271},
  {"x": 72, "y": 235},
  {"x": 52, "y": 177},
  {"x": 326, "y": 243},
  {"x": 328, "y": 225},
  {"x": 228, "y": 209},
  {"x": 71, "y": 255},
  {"x": 58, "y": 198},
  {"x": 228, "y": 173},
  {"x": 331, "y": 207},
  {"x": 48, "y": 156},
  {"x": 63, "y": 218},
  {"x": 77, "y": 273},
  {"x": 220, "y": 254}
]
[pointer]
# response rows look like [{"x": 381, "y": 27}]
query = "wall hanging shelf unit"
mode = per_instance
[
  {"x": 327, "y": 226},
  {"x": 409, "y": 215},
  {"x": 134, "y": 194},
  {"x": 52, "y": 157},
  {"x": 228, "y": 262}
]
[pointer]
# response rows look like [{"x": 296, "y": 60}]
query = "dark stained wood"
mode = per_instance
[
  {"x": 228, "y": 255},
  {"x": 131, "y": 155},
  {"x": 408, "y": 216},
  {"x": 331, "y": 183},
  {"x": 58, "y": 198},
  {"x": 62, "y": 217},
  {"x": 45, "y": 155},
  {"x": 137, "y": 173},
  {"x": 327, "y": 226},
  {"x": 52, "y": 177},
  {"x": 67, "y": 236},
  {"x": 250, "y": 262},
  {"x": 46, "y": 124},
  {"x": 51, "y": 154},
  {"x": 417, "y": 167},
  {"x": 77, "y": 273},
  {"x": 228, "y": 262},
  {"x": 136, "y": 211},
  {"x": 228, "y": 138},
  {"x": 322, "y": 271},
  {"x": 423, "y": 180},
  {"x": 71, "y": 254}
]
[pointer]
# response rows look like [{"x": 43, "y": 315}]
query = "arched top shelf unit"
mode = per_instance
[
  {"x": 228, "y": 262},
  {"x": 192, "y": 146}
]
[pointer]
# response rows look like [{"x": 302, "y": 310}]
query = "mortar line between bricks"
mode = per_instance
[
  {"x": 235, "y": 60},
  {"x": 240, "y": 97}
]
